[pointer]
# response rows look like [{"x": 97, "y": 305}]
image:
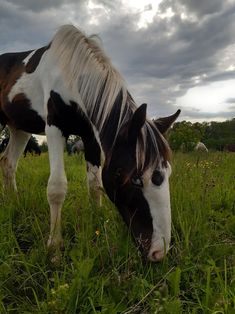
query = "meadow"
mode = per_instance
[{"x": 100, "y": 270}]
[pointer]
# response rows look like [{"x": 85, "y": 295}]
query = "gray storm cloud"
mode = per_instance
[{"x": 160, "y": 62}]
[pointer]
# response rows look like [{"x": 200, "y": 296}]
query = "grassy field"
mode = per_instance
[{"x": 100, "y": 269}]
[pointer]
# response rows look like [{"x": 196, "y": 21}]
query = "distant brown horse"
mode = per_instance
[{"x": 229, "y": 148}]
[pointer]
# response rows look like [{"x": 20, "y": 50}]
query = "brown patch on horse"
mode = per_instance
[
  {"x": 71, "y": 120},
  {"x": 33, "y": 62},
  {"x": 11, "y": 79},
  {"x": 22, "y": 116},
  {"x": 18, "y": 112},
  {"x": 9, "y": 62},
  {"x": 9, "y": 74}
]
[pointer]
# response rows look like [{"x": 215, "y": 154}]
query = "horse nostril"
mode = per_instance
[{"x": 157, "y": 256}]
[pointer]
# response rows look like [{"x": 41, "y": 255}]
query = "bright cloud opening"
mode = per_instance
[
  {"x": 209, "y": 98},
  {"x": 144, "y": 10}
]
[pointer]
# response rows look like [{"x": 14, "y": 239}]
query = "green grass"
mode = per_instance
[{"x": 100, "y": 269}]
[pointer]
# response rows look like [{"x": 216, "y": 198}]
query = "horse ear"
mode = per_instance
[
  {"x": 137, "y": 122},
  {"x": 163, "y": 124}
]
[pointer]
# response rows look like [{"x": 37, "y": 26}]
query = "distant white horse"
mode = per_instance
[
  {"x": 77, "y": 147},
  {"x": 200, "y": 147}
]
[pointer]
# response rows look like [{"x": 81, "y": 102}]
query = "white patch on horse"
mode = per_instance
[
  {"x": 30, "y": 85},
  {"x": 158, "y": 198},
  {"x": 36, "y": 86}
]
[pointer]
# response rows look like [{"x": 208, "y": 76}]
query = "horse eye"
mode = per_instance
[
  {"x": 157, "y": 178},
  {"x": 137, "y": 181}
]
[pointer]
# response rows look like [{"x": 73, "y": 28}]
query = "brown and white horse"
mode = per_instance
[
  {"x": 229, "y": 148},
  {"x": 71, "y": 87}
]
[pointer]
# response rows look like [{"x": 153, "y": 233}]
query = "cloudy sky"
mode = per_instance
[{"x": 172, "y": 54}]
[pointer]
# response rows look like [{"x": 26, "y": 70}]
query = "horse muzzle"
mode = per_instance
[{"x": 158, "y": 251}]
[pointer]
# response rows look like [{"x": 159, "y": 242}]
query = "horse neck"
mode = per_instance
[{"x": 113, "y": 126}]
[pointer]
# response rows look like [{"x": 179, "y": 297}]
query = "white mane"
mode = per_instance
[
  {"x": 90, "y": 75},
  {"x": 89, "y": 72}
]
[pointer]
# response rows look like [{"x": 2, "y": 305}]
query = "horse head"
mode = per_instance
[{"x": 141, "y": 192}]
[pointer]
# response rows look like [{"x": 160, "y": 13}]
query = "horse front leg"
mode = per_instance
[
  {"x": 9, "y": 159},
  {"x": 57, "y": 184}
]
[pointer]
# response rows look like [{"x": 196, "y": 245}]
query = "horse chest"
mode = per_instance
[{"x": 23, "y": 104}]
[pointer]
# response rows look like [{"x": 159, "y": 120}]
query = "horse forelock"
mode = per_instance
[
  {"x": 88, "y": 73},
  {"x": 152, "y": 148}
]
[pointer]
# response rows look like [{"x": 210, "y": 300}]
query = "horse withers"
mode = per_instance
[{"x": 71, "y": 87}]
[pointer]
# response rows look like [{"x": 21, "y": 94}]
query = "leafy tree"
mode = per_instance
[
  {"x": 184, "y": 136},
  {"x": 215, "y": 135},
  {"x": 218, "y": 134}
]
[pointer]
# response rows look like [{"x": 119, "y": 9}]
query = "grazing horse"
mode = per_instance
[
  {"x": 71, "y": 87},
  {"x": 201, "y": 147}
]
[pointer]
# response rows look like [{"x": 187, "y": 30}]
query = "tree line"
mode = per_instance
[
  {"x": 215, "y": 135},
  {"x": 183, "y": 135}
]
